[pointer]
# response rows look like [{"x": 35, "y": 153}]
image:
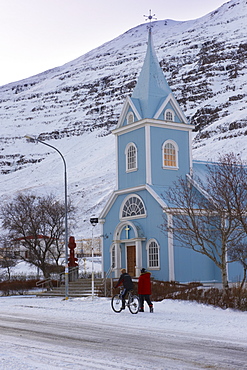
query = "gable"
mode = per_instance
[
  {"x": 128, "y": 107},
  {"x": 127, "y": 192},
  {"x": 170, "y": 103}
]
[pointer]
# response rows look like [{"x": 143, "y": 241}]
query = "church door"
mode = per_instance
[{"x": 131, "y": 260}]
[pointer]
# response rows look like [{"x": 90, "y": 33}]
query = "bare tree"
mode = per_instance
[
  {"x": 205, "y": 217},
  {"x": 228, "y": 186},
  {"x": 36, "y": 225}
]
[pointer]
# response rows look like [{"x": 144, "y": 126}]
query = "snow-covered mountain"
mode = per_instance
[{"x": 74, "y": 107}]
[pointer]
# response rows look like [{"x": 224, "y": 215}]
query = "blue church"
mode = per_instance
[{"x": 153, "y": 149}]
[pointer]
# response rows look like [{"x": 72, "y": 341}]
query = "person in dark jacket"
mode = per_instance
[
  {"x": 144, "y": 290},
  {"x": 126, "y": 281}
]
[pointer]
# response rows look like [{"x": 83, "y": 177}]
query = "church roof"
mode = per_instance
[{"x": 151, "y": 88}]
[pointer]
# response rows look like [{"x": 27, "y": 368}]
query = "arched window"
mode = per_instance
[
  {"x": 131, "y": 157},
  {"x": 170, "y": 154},
  {"x": 169, "y": 115},
  {"x": 153, "y": 254},
  {"x": 132, "y": 206},
  {"x": 130, "y": 118}
]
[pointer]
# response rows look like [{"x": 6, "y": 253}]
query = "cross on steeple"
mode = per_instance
[{"x": 150, "y": 17}]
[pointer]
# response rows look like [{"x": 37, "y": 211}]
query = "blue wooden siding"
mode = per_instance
[
  {"x": 161, "y": 176},
  {"x": 134, "y": 178}
]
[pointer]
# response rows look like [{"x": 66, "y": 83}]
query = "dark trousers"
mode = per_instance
[
  {"x": 145, "y": 297},
  {"x": 123, "y": 295}
]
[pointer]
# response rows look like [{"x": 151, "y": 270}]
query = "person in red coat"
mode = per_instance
[{"x": 144, "y": 290}]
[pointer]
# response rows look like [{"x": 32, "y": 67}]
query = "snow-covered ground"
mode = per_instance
[{"x": 81, "y": 333}]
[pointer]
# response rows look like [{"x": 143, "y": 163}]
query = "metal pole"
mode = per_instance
[
  {"x": 92, "y": 267},
  {"x": 66, "y": 232},
  {"x": 93, "y": 221},
  {"x": 66, "y": 212}
]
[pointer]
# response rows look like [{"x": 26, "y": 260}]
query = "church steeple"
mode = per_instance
[
  {"x": 152, "y": 97},
  {"x": 152, "y": 88}
]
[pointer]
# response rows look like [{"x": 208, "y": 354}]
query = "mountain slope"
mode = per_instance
[{"x": 75, "y": 106}]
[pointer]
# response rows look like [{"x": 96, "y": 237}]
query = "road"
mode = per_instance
[{"x": 38, "y": 343}]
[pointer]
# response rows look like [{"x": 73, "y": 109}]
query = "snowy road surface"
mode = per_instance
[{"x": 41, "y": 333}]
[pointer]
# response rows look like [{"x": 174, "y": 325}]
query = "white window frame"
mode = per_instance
[
  {"x": 136, "y": 215},
  {"x": 169, "y": 111},
  {"x": 127, "y": 149},
  {"x": 175, "y": 146},
  {"x": 150, "y": 241},
  {"x": 113, "y": 256},
  {"x": 130, "y": 118}
]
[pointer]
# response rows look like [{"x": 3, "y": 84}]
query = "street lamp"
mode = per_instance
[
  {"x": 34, "y": 139},
  {"x": 94, "y": 222}
]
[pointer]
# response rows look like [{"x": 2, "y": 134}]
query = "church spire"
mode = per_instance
[{"x": 151, "y": 88}]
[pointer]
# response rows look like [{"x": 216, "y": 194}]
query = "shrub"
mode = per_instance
[
  {"x": 234, "y": 297},
  {"x": 17, "y": 286}
]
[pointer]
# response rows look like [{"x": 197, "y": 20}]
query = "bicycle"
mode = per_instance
[{"x": 131, "y": 301}]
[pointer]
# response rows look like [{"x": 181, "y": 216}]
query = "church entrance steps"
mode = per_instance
[{"x": 78, "y": 288}]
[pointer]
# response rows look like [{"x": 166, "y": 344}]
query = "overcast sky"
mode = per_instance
[{"x": 36, "y": 35}]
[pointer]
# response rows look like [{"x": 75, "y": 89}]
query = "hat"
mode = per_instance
[{"x": 143, "y": 270}]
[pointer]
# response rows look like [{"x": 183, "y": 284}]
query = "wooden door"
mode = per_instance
[{"x": 131, "y": 260}]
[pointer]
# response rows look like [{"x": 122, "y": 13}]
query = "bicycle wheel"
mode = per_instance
[
  {"x": 116, "y": 303},
  {"x": 134, "y": 304}
]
